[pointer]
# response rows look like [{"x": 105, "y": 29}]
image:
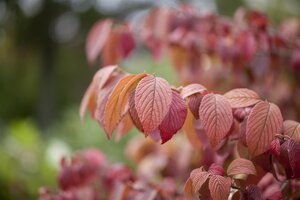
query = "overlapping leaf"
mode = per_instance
[
  {"x": 116, "y": 105},
  {"x": 192, "y": 89},
  {"x": 216, "y": 117},
  {"x": 264, "y": 122},
  {"x": 292, "y": 129},
  {"x": 89, "y": 99},
  {"x": 96, "y": 39},
  {"x": 153, "y": 98},
  {"x": 199, "y": 177},
  {"x": 242, "y": 97},
  {"x": 174, "y": 119},
  {"x": 241, "y": 166},
  {"x": 219, "y": 187},
  {"x": 190, "y": 132}
]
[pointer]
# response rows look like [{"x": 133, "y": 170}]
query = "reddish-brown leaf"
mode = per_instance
[
  {"x": 101, "y": 77},
  {"x": 242, "y": 97},
  {"x": 264, "y": 122},
  {"x": 133, "y": 113},
  {"x": 153, "y": 98},
  {"x": 174, "y": 119},
  {"x": 96, "y": 39},
  {"x": 192, "y": 89},
  {"x": 199, "y": 177},
  {"x": 116, "y": 105},
  {"x": 292, "y": 129},
  {"x": 241, "y": 166},
  {"x": 112, "y": 54},
  {"x": 194, "y": 102},
  {"x": 219, "y": 187},
  {"x": 216, "y": 117}
]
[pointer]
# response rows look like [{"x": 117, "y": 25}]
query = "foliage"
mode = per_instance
[{"x": 237, "y": 131}]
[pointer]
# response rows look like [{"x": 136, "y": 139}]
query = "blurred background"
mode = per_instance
[{"x": 44, "y": 74}]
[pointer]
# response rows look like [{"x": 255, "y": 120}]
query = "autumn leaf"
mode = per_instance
[
  {"x": 192, "y": 89},
  {"x": 241, "y": 166},
  {"x": 188, "y": 190},
  {"x": 199, "y": 177},
  {"x": 219, "y": 187},
  {"x": 292, "y": 129},
  {"x": 216, "y": 117},
  {"x": 118, "y": 100},
  {"x": 194, "y": 102},
  {"x": 153, "y": 98},
  {"x": 96, "y": 39},
  {"x": 133, "y": 113},
  {"x": 242, "y": 97},
  {"x": 263, "y": 123},
  {"x": 123, "y": 127},
  {"x": 174, "y": 119},
  {"x": 89, "y": 99}
]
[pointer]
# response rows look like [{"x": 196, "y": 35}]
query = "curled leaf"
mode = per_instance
[
  {"x": 242, "y": 97},
  {"x": 292, "y": 129},
  {"x": 264, "y": 122},
  {"x": 153, "y": 98},
  {"x": 199, "y": 177},
  {"x": 216, "y": 117},
  {"x": 192, "y": 89},
  {"x": 241, "y": 166}
]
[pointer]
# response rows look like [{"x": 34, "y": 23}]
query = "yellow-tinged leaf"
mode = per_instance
[
  {"x": 116, "y": 105},
  {"x": 190, "y": 132}
]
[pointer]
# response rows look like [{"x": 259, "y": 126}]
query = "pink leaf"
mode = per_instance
[
  {"x": 292, "y": 129},
  {"x": 216, "y": 117},
  {"x": 174, "y": 119},
  {"x": 192, "y": 89},
  {"x": 241, "y": 166},
  {"x": 219, "y": 187},
  {"x": 96, "y": 39},
  {"x": 264, "y": 122},
  {"x": 242, "y": 97},
  {"x": 153, "y": 98},
  {"x": 198, "y": 177}
]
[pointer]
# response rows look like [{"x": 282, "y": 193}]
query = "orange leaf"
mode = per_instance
[
  {"x": 188, "y": 190},
  {"x": 216, "y": 117},
  {"x": 292, "y": 129},
  {"x": 153, "y": 98},
  {"x": 190, "y": 132},
  {"x": 89, "y": 99},
  {"x": 219, "y": 187},
  {"x": 117, "y": 102},
  {"x": 241, "y": 166},
  {"x": 242, "y": 97},
  {"x": 97, "y": 38},
  {"x": 264, "y": 122},
  {"x": 124, "y": 127}
]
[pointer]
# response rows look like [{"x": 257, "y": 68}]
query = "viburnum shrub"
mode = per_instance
[{"x": 240, "y": 147}]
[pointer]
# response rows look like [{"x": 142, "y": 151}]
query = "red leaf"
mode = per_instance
[
  {"x": 241, "y": 166},
  {"x": 194, "y": 102},
  {"x": 127, "y": 42},
  {"x": 289, "y": 158},
  {"x": 219, "y": 187},
  {"x": 198, "y": 177},
  {"x": 216, "y": 117},
  {"x": 174, "y": 119},
  {"x": 153, "y": 98},
  {"x": 242, "y": 97},
  {"x": 215, "y": 169},
  {"x": 133, "y": 113},
  {"x": 192, "y": 89},
  {"x": 292, "y": 129},
  {"x": 264, "y": 122},
  {"x": 97, "y": 38},
  {"x": 252, "y": 192}
]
